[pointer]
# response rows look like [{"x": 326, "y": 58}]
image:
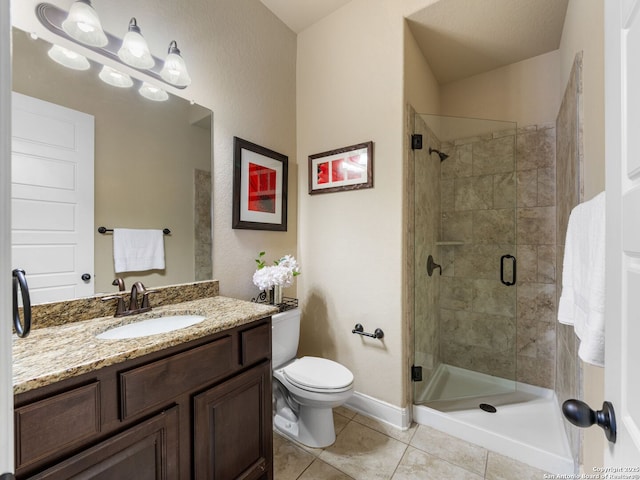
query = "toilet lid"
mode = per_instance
[{"x": 318, "y": 373}]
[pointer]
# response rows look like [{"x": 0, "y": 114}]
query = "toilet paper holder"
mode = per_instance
[{"x": 359, "y": 329}]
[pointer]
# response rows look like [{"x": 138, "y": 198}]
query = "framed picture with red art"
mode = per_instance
[
  {"x": 348, "y": 168},
  {"x": 259, "y": 187}
]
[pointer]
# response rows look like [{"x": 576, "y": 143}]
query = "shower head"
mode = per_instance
[{"x": 443, "y": 156}]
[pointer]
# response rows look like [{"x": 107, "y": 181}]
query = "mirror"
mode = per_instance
[{"x": 152, "y": 163}]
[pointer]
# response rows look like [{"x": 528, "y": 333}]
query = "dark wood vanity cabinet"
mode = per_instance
[
  {"x": 148, "y": 450},
  {"x": 239, "y": 444},
  {"x": 198, "y": 410}
]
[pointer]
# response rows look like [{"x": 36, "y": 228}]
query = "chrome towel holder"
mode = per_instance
[{"x": 359, "y": 329}]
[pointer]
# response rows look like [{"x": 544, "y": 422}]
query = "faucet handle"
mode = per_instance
[
  {"x": 120, "y": 310},
  {"x": 145, "y": 298},
  {"x": 136, "y": 288}
]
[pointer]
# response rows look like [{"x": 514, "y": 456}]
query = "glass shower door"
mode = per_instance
[{"x": 465, "y": 248}]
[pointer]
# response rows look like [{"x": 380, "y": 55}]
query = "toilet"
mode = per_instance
[{"x": 305, "y": 390}]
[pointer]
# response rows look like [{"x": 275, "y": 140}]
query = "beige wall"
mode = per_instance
[
  {"x": 350, "y": 243},
  {"x": 421, "y": 89},
  {"x": 242, "y": 62},
  {"x": 584, "y": 31},
  {"x": 350, "y": 90},
  {"x": 528, "y": 92}
]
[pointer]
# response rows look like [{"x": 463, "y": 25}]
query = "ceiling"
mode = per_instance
[
  {"x": 459, "y": 38},
  {"x": 300, "y": 14}
]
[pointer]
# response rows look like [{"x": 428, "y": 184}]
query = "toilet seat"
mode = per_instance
[{"x": 318, "y": 375}]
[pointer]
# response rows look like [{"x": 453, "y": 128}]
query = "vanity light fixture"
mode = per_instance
[
  {"x": 134, "y": 50},
  {"x": 68, "y": 58},
  {"x": 114, "y": 77},
  {"x": 83, "y": 25},
  {"x": 152, "y": 92},
  {"x": 174, "y": 70}
]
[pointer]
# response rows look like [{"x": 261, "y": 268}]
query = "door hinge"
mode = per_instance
[
  {"x": 416, "y": 373},
  {"x": 416, "y": 141}
]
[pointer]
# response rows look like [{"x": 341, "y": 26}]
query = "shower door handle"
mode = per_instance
[{"x": 513, "y": 274}]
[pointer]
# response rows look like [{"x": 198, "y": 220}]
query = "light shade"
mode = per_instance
[
  {"x": 174, "y": 70},
  {"x": 68, "y": 58},
  {"x": 134, "y": 50},
  {"x": 83, "y": 25},
  {"x": 152, "y": 92},
  {"x": 115, "y": 78}
]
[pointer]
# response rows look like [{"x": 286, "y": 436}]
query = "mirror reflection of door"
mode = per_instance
[{"x": 52, "y": 186}]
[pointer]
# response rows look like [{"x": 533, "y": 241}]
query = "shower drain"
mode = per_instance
[{"x": 488, "y": 408}]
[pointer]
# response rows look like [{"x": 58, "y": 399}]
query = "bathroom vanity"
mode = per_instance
[{"x": 192, "y": 403}]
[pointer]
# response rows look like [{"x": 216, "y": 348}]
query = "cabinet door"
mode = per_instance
[
  {"x": 148, "y": 451},
  {"x": 232, "y": 428}
]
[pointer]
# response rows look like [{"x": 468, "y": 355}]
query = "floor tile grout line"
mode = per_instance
[{"x": 399, "y": 461}]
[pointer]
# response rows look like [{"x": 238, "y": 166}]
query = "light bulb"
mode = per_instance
[
  {"x": 82, "y": 24},
  {"x": 151, "y": 92},
  {"x": 115, "y": 78},
  {"x": 174, "y": 70},
  {"x": 134, "y": 50},
  {"x": 68, "y": 58}
]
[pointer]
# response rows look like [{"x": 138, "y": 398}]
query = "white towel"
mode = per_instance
[
  {"x": 137, "y": 250},
  {"x": 582, "y": 299}
]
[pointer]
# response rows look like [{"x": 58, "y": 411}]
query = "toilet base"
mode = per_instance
[{"x": 313, "y": 426}]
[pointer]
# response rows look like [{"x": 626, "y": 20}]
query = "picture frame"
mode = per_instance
[
  {"x": 348, "y": 168},
  {"x": 259, "y": 187}
]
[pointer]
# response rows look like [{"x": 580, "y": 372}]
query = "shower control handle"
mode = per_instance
[
  {"x": 513, "y": 270},
  {"x": 581, "y": 415},
  {"x": 431, "y": 266}
]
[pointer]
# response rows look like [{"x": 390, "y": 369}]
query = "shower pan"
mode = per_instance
[{"x": 466, "y": 379}]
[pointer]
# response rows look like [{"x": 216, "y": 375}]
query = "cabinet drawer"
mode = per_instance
[
  {"x": 255, "y": 344},
  {"x": 161, "y": 381},
  {"x": 56, "y": 423},
  {"x": 149, "y": 450}
]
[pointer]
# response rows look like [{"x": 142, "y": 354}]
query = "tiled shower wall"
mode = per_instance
[
  {"x": 536, "y": 252},
  {"x": 477, "y": 311},
  {"x": 203, "y": 261},
  {"x": 485, "y": 203},
  {"x": 489, "y": 204},
  {"x": 569, "y": 187}
]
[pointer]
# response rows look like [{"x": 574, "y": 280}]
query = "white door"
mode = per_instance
[
  {"x": 52, "y": 198},
  {"x": 622, "y": 140}
]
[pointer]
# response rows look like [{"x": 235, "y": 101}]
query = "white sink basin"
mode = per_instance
[{"x": 152, "y": 326}]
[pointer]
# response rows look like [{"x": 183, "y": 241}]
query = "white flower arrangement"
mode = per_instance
[{"x": 280, "y": 274}]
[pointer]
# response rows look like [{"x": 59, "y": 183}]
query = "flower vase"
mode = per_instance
[{"x": 277, "y": 295}]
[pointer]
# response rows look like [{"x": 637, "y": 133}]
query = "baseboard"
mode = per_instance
[{"x": 381, "y": 411}]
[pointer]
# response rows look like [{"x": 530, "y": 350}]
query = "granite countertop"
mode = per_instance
[{"x": 55, "y": 353}]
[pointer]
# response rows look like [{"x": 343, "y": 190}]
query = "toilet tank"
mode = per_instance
[{"x": 285, "y": 333}]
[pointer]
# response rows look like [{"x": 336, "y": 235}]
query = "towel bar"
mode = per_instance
[{"x": 166, "y": 231}]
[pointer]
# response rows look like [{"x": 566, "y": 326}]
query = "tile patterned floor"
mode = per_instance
[{"x": 369, "y": 450}]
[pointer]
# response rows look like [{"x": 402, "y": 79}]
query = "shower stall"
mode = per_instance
[{"x": 484, "y": 286}]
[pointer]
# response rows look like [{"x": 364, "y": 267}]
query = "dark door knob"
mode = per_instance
[
  {"x": 86, "y": 277},
  {"x": 581, "y": 415}
]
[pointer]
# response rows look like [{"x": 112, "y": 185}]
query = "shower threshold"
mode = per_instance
[{"x": 526, "y": 426}]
